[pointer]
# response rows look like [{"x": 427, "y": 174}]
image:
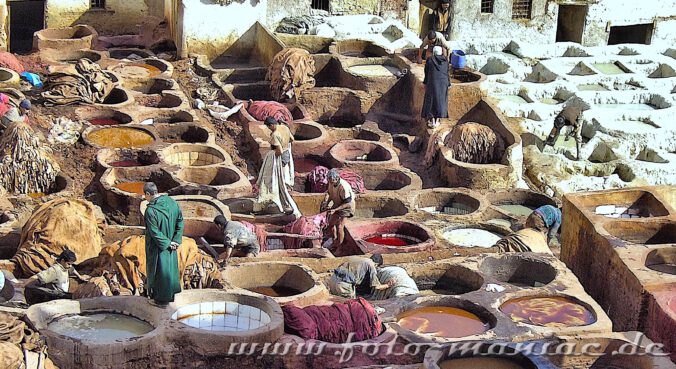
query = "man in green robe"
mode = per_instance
[{"x": 164, "y": 229}]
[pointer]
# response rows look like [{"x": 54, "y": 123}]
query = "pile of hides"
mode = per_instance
[
  {"x": 15, "y": 337},
  {"x": 260, "y": 110},
  {"x": 260, "y": 232},
  {"x": 298, "y": 25},
  {"x": 123, "y": 268},
  {"x": 475, "y": 143},
  {"x": 9, "y": 61},
  {"x": 404, "y": 285},
  {"x": 65, "y": 131},
  {"x": 291, "y": 72},
  {"x": 318, "y": 180},
  {"x": 56, "y": 225},
  {"x": 525, "y": 240},
  {"x": 335, "y": 322},
  {"x": 311, "y": 226},
  {"x": 26, "y": 166},
  {"x": 88, "y": 85}
]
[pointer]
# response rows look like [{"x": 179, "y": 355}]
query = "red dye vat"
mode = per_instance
[
  {"x": 125, "y": 164},
  {"x": 304, "y": 165},
  {"x": 389, "y": 241},
  {"x": 104, "y": 121}
]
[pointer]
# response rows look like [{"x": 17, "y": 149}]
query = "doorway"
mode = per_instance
[
  {"x": 634, "y": 34},
  {"x": 25, "y": 18},
  {"x": 570, "y": 26}
]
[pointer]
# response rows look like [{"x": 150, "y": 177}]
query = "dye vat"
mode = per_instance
[
  {"x": 442, "y": 321},
  {"x": 373, "y": 70},
  {"x": 591, "y": 87},
  {"x": 125, "y": 164},
  {"x": 275, "y": 291},
  {"x": 550, "y": 101},
  {"x": 662, "y": 260},
  {"x": 222, "y": 316},
  {"x": 131, "y": 187},
  {"x": 304, "y": 165},
  {"x": 514, "y": 209},
  {"x": 642, "y": 107},
  {"x": 138, "y": 70},
  {"x": 513, "y": 98},
  {"x": 104, "y": 122},
  {"x": 393, "y": 240},
  {"x": 555, "y": 311},
  {"x": 480, "y": 363},
  {"x": 609, "y": 68},
  {"x": 37, "y": 195},
  {"x": 120, "y": 137},
  {"x": 100, "y": 327},
  {"x": 471, "y": 237}
]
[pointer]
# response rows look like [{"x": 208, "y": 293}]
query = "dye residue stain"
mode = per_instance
[
  {"x": 100, "y": 327},
  {"x": 471, "y": 237},
  {"x": 104, "y": 122},
  {"x": 480, "y": 363},
  {"x": 442, "y": 321},
  {"x": 120, "y": 137},
  {"x": 517, "y": 209},
  {"x": 553, "y": 311},
  {"x": 138, "y": 70},
  {"x": 125, "y": 163},
  {"x": 373, "y": 70},
  {"x": 131, "y": 187},
  {"x": 392, "y": 240},
  {"x": 275, "y": 291}
]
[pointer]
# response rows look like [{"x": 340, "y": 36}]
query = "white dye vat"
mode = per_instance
[
  {"x": 222, "y": 316},
  {"x": 471, "y": 237},
  {"x": 100, "y": 327}
]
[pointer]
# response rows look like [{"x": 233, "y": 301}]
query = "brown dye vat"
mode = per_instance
[
  {"x": 480, "y": 363},
  {"x": 104, "y": 122},
  {"x": 120, "y": 137},
  {"x": 442, "y": 321},
  {"x": 304, "y": 165},
  {"x": 141, "y": 69},
  {"x": 131, "y": 187},
  {"x": 37, "y": 195},
  {"x": 553, "y": 311},
  {"x": 275, "y": 291},
  {"x": 125, "y": 164},
  {"x": 669, "y": 268}
]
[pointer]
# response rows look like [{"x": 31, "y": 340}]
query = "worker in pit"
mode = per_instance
[
  {"x": 546, "y": 219},
  {"x": 572, "y": 117},
  {"x": 53, "y": 283},
  {"x": 442, "y": 19},
  {"x": 339, "y": 203},
  {"x": 358, "y": 276},
  {"x": 11, "y": 113},
  {"x": 237, "y": 236},
  {"x": 433, "y": 39}
]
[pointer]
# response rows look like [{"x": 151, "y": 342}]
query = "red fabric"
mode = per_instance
[
  {"x": 306, "y": 226},
  {"x": 334, "y": 323},
  {"x": 9, "y": 61},
  {"x": 261, "y": 234},
  {"x": 319, "y": 180},
  {"x": 4, "y": 104},
  {"x": 263, "y": 109}
]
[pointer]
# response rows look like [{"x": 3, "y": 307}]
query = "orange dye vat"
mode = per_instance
[
  {"x": 37, "y": 195},
  {"x": 442, "y": 321},
  {"x": 275, "y": 291},
  {"x": 131, "y": 187},
  {"x": 120, "y": 137},
  {"x": 555, "y": 311}
]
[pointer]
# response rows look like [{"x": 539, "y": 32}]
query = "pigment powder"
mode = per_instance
[
  {"x": 555, "y": 311},
  {"x": 120, "y": 137}
]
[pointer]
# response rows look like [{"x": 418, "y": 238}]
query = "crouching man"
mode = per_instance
[
  {"x": 237, "y": 236},
  {"x": 53, "y": 283}
]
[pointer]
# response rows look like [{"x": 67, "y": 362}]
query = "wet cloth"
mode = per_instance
[
  {"x": 435, "y": 103},
  {"x": 275, "y": 177},
  {"x": 525, "y": 240},
  {"x": 260, "y": 110},
  {"x": 318, "y": 180},
  {"x": 260, "y": 232},
  {"x": 88, "y": 85},
  {"x": 334, "y": 323},
  {"x": 238, "y": 236},
  {"x": 404, "y": 285},
  {"x": 475, "y": 143},
  {"x": 292, "y": 70},
  {"x": 311, "y": 226},
  {"x": 164, "y": 225},
  {"x": 357, "y": 274},
  {"x": 57, "y": 224}
]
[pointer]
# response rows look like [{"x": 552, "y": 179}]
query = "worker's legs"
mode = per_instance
[{"x": 341, "y": 230}]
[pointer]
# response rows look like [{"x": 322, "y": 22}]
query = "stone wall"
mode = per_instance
[
  {"x": 118, "y": 17},
  {"x": 4, "y": 23},
  {"x": 344, "y": 7}
]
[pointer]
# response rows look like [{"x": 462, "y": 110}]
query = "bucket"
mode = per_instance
[{"x": 458, "y": 60}]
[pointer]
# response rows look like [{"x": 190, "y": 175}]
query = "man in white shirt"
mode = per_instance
[{"x": 53, "y": 282}]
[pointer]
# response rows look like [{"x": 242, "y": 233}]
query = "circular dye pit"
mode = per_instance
[
  {"x": 100, "y": 327},
  {"x": 137, "y": 70},
  {"x": 193, "y": 155},
  {"x": 305, "y": 165},
  {"x": 515, "y": 209},
  {"x": 390, "y": 236},
  {"x": 481, "y": 363},
  {"x": 361, "y": 152},
  {"x": 131, "y": 187},
  {"x": 456, "y": 280},
  {"x": 471, "y": 237},
  {"x": 104, "y": 122},
  {"x": 554, "y": 311},
  {"x": 209, "y": 176},
  {"x": 518, "y": 270},
  {"x": 393, "y": 240},
  {"x": 442, "y": 321},
  {"x": 274, "y": 279},
  {"x": 222, "y": 316},
  {"x": 120, "y": 137},
  {"x": 446, "y": 203},
  {"x": 662, "y": 260},
  {"x": 373, "y": 70},
  {"x": 128, "y": 158},
  {"x": 275, "y": 291},
  {"x": 306, "y": 132}
]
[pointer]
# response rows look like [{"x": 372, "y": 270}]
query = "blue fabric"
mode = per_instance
[
  {"x": 344, "y": 276},
  {"x": 32, "y": 78},
  {"x": 551, "y": 215}
]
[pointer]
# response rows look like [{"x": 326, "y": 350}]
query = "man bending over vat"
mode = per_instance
[
  {"x": 164, "y": 230},
  {"x": 237, "y": 236},
  {"x": 358, "y": 276},
  {"x": 571, "y": 117},
  {"x": 53, "y": 283},
  {"x": 341, "y": 199},
  {"x": 546, "y": 219},
  {"x": 540, "y": 230}
]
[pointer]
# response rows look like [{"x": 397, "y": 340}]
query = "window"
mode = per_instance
[
  {"x": 521, "y": 9},
  {"x": 99, "y": 4},
  {"x": 320, "y": 4},
  {"x": 487, "y": 6}
]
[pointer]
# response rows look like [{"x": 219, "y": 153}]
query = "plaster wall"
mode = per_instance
[
  {"x": 119, "y": 16},
  {"x": 279, "y": 9},
  {"x": 345, "y": 7},
  {"x": 470, "y": 23},
  {"x": 607, "y": 13},
  {"x": 4, "y": 22}
]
